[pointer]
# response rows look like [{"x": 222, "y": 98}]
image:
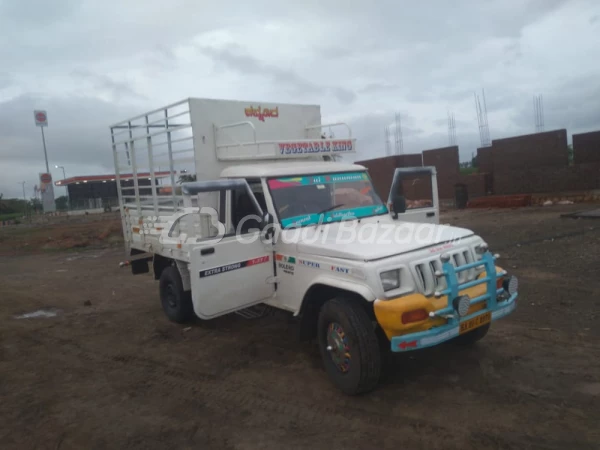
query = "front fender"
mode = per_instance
[
  {"x": 321, "y": 289},
  {"x": 347, "y": 285}
]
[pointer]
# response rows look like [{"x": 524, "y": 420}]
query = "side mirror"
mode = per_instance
[{"x": 398, "y": 205}]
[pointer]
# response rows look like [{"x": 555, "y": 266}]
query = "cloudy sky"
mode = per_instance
[{"x": 91, "y": 63}]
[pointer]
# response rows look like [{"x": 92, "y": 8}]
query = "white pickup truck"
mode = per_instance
[{"x": 259, "y": 209}]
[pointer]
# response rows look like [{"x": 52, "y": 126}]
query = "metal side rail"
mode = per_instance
[{"x": 499, "y": 303}]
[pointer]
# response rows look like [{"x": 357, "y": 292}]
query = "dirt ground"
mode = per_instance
[
  {"x": 56, "y": 233},
  {"x": 108, "y": 371}
]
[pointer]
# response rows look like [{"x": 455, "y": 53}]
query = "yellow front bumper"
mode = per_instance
[{"x": 389, "y": 312}]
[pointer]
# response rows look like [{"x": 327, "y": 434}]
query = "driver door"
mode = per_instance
[
  {"x": 233, "y": 270},
  {"x": 418, "y": 187}
]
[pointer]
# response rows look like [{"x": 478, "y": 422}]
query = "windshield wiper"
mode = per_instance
[{"x": 330, "y": 208}]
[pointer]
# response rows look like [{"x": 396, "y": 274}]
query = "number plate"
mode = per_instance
[{"x": 475, "y": 322}]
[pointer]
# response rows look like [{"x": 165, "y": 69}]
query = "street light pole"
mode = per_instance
[{"x": 66, "y": 186}]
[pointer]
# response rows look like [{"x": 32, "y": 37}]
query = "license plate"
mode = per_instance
[{"x": 475, "y": 322}]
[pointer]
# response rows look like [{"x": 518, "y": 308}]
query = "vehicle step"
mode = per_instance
[{"x": 256, "y": 311}]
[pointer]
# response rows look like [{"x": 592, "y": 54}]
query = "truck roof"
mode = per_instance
[{"x": 288, "y": 168}]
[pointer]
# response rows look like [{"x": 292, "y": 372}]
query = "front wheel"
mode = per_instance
[
  {"x": 349, "y": 346},
  {"x": 176, "y": 302}
]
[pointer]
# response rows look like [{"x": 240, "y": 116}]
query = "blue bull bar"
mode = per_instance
[{"x": 495, "y": 308}]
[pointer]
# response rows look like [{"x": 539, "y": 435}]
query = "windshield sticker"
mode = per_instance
[
  {"x": 282, "y": 183},
  {"x": 330, "y": 216}
]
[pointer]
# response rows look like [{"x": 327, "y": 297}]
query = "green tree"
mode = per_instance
[
  {"x": 571, "y": 153},
  {"x": 35, "y": 204},
  {"x": 62, "y": 203}
]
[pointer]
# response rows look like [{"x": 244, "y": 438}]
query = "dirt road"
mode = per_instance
[{"x": 116, "y": 374}]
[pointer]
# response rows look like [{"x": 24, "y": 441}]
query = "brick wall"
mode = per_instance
[
  {"x": 530, "y": 151},
  {"x": 548, "y": 179},
  {"x": 381, "y": 171},
  {"x": 417, "y": 187},
  {"x": 484, "y": 160},
  {"x": 446, "y": 162},
  {"x": 444, "y": 159},
  {"x": 477, "y": 184},
  {"x": 527, "y": 164},
  {"x": 586, "y": 147},
  {"x": 411, "y": 160}
]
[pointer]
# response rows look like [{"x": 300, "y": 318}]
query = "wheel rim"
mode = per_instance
[
  {"x": 170, "y": 296},
  {"x": 338, "y": 347}
]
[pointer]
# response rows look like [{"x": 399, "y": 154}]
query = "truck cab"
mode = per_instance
[{"x": 309, "y": 235}]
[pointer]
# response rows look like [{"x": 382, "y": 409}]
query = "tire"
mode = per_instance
[
  {"x": 354, "y": 361},
  {"x": 176, "y": 302},
  {"x": 472, "y": 336}
]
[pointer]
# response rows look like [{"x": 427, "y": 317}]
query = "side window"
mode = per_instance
[
  {"x": 416, "y": 189},
  {"x": 244, "y": 214},
  {"x": 257, "y": 189},
  {"x": 188, "y": 225},
  {"x": 198, "y": 225},
  {"x": 243, "y": 217}
]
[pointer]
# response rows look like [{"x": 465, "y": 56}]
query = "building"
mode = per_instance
[{"x": 100, "y": 191}]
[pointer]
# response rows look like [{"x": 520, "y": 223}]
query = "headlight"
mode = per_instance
[
  {"x": 461, "y": 305},
  {"x": 390, "y": 279},
  {"x": 481, "y": 248},
  {"x": 511, "y": 285}
]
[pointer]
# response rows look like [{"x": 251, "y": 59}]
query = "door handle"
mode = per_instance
[
  {"x": 207, "y": 251},
  {"x": 430, "y": 214}
]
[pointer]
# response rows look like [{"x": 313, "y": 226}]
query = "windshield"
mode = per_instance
[{"x": 324, "y": 198}]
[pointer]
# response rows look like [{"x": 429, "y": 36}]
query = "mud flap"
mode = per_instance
[{"x": 138, "y": 266}]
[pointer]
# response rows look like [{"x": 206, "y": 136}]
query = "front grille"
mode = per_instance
[{"x": 425, "y": 272}]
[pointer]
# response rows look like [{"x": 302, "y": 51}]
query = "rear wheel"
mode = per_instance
[
  {"x": 349, "y": 346},
  {"x": 472, "y": 336},
  {"x": 176, "y": 302}
]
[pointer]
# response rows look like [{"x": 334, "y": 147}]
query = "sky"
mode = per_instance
[{"x": 91, "y": 63}]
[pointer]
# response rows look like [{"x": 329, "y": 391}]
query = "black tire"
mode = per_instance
[
  {"x": 472, "y": 336},
  {"x": 360, "y": 372},
  {"x": 176, "y": 302}
]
